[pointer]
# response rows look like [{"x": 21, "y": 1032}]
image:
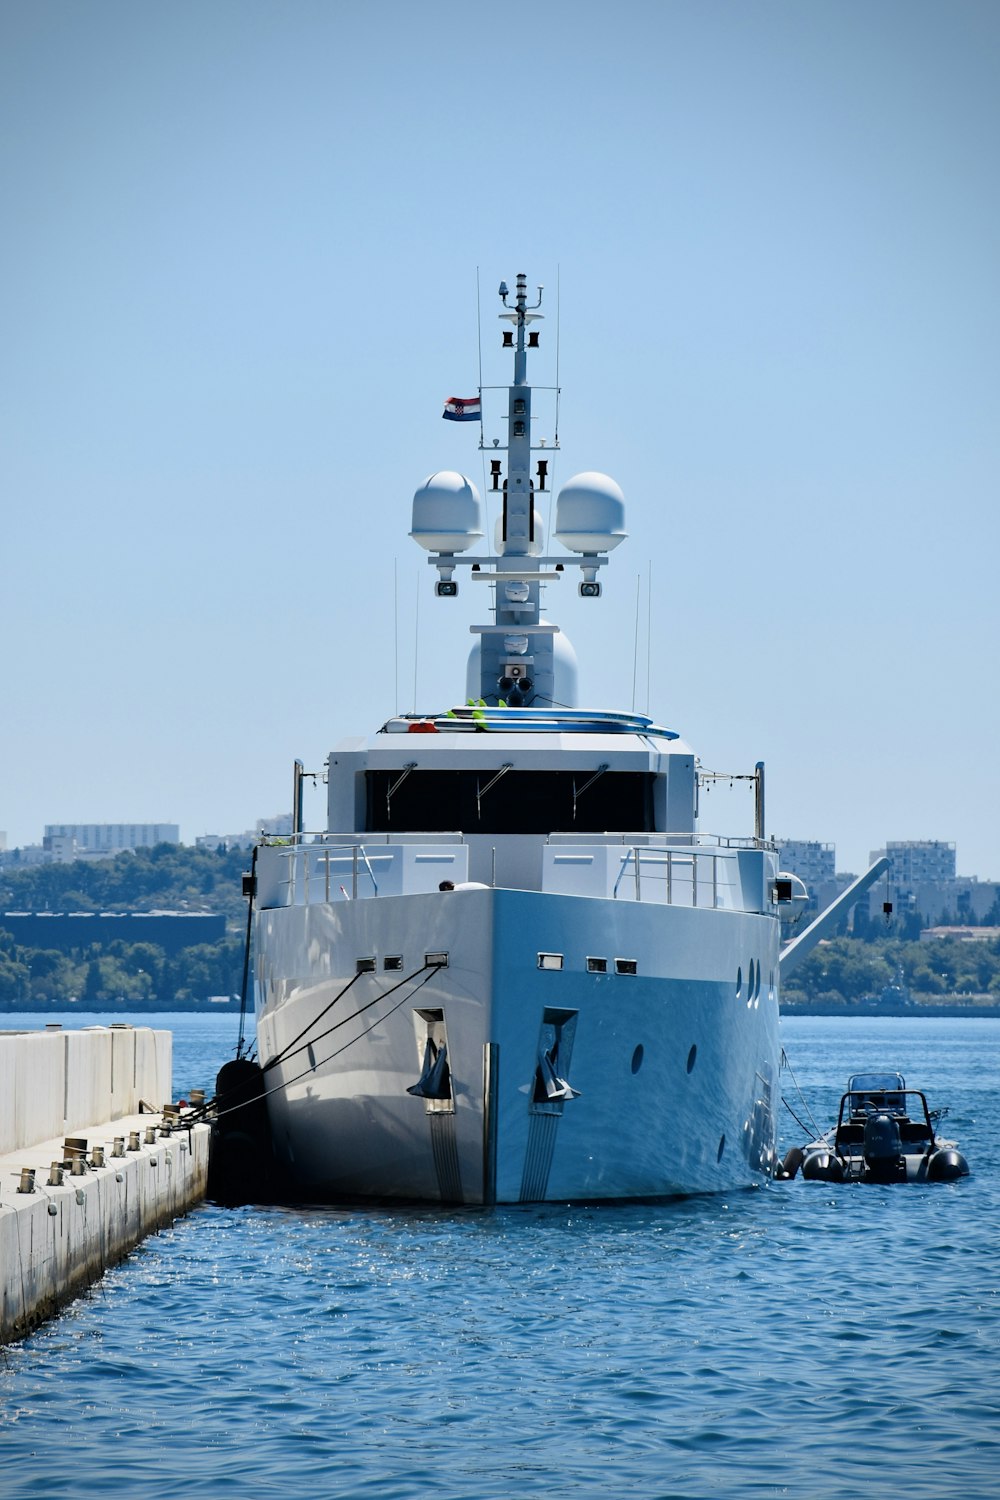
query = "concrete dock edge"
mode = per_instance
[{"x": 59, "y": 1238}]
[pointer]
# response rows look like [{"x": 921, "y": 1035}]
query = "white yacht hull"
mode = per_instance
[{"x": 674, "y": 1064}]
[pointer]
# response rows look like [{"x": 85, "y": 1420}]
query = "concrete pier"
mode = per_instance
[{"x": 74, "y": 1099}]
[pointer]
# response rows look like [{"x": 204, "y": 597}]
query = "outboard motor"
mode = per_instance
[{"x": 883, "y": 1148}]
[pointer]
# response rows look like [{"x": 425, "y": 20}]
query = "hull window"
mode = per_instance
[
  {"x": 597, "y": 966},
  {"x": 626, "y": 966},
  {"x": 550, "y": 960}
]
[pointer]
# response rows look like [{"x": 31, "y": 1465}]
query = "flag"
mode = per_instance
[{"x": 462, "y": 409}]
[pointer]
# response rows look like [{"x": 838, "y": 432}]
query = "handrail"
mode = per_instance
[
  {"x": 664, "y": 840},
  {"x": 669, "y": 857},
  {"x": 684, "y": 840}
]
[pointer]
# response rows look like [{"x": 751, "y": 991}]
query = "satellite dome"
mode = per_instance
[
  {"x": 447, "y": 513},
  {"x": 590, "y": 514}
]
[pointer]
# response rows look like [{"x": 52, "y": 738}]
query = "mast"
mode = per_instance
[
  {"x": 518, "y": 509},
  {"x": 520, "y": 659},
  {"x": 509, "y": 659}
]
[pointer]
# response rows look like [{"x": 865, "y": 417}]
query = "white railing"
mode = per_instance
[
  {"x": 694, "y": 877},
  {"x": 295, "y": 873},
  {"x": 719, "y": 878}
]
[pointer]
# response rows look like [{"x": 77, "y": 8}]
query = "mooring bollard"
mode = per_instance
[
  {"x": 55, "y": 1174},
  {"x": 27, "y": 1183}
]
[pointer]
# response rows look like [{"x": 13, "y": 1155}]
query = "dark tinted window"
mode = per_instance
[{"x": 520, "y": 802}]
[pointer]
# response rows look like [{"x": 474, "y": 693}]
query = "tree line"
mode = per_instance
[
  {"x": 848, "y": 969},
  {"x": 178, "y": 878},
  {"x": 170, "y": 876},
  {"x": 135, "y": 976}
]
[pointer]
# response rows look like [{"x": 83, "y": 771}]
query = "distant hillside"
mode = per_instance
[
  {"x": 848, "y": 970},
  {"x": 168, "y": 877},
  {"x": 96, "y": 975}
]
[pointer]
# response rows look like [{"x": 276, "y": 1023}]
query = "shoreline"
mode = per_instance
[
  {"x": 935, "y": 1011},
  {"x": 848, "y": 1008}
]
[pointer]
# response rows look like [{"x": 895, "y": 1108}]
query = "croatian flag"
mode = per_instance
[{"x": 462, "y": 409}]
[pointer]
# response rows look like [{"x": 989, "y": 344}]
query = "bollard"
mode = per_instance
[
  {"x": 150, "y": 1135},
  {"x": 97, "y": 1157},
  {"x": 77, "y": 1166},
  {"x": 119, "y": 1147},
  {"x": 55, "y": 1174},
  {"x": 133, "y": 1140},
  {"x": 27, "y": 1183}
]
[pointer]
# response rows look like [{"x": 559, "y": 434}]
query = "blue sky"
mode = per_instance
[{"x": 238, "y": 276}]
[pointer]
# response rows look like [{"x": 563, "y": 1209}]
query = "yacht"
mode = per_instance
[{"x": 513, "y": 968}]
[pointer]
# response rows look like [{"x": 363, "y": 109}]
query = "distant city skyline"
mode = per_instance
[{"x": 238, "y": 279}]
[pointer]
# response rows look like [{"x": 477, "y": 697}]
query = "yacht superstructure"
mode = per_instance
[{"x": 513, "y": 968}]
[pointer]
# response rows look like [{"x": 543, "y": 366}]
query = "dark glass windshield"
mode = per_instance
[{"x": 519, "y": 802}]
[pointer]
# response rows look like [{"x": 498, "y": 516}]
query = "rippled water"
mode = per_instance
[{"x": 802, "y": 1340}]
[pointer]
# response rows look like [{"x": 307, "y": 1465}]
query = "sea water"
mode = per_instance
[{"x": 801, "y": 1339}]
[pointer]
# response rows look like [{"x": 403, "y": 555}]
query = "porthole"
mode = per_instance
[
  {"x": 626, "y": 966},
  {"x": 597, "y": 966},
  {"x": 436, "y": 960},
  {"x": 365, "y": 966},
  {"x": 637, "y": 1057},
  {"x": 550, "y": 960},
  {"x": 692, "y": 1057},
  {"x": 393, "y": 963},
  {"x": 722, "y": 1147}
]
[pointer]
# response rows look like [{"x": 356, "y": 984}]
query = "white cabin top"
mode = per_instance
[{"x": 518, "y": 757}]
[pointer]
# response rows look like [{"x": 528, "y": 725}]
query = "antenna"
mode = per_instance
[
  {"x": 479, "y": 329},
  {"x": 416, "y": 642},
  {"x": 649, "y": 625},
  {"x": 395, "y": 634},
  {"x": 635, "y": 643},
  {"x": 482, "y": 435},
  {"x": 558, "y": 320}
]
